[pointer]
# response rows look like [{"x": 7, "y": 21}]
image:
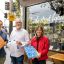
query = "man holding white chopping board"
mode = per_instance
[{"x": 18, "y": 38}]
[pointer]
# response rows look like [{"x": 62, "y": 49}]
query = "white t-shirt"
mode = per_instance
[{"x": 21, "y": 36}]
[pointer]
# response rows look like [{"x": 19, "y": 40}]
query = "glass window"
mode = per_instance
[{"x": 53, "y": 24}]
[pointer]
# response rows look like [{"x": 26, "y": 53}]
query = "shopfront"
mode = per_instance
[{"x": 53, "y": 24}]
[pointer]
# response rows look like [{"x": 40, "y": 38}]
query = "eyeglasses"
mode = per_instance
[{"x": 18, "y": 22}]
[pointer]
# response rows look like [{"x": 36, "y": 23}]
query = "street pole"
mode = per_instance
[{"x": 10, "y": 22}]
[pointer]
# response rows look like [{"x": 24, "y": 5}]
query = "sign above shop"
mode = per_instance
[
  {"x": 11, "y": 16},
  {"x": 31, "y": 2}
]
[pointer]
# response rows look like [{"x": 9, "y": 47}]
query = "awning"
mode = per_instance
[{"x": 31, "y": 2}]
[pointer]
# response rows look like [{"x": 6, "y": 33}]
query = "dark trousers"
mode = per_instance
[
  {"x": 2, "y": 56},
  {"x": 36, "y": 61},
  {"x": 17, "y": 60},
  {"x": 2, "y": 52}
]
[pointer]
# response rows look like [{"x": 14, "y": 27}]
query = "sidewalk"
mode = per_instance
[{"x": 8, "y": 60}]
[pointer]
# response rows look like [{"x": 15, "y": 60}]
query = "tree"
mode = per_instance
[
  {"x": 58, "y": 6},
  {"x": 18, "y": 11}
]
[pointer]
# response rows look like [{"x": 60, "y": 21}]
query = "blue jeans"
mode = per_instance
[{"x": 17, "y": 60}]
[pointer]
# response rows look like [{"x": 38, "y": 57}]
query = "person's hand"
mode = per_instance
[
  {"x": 18, "y": 43},
  {"x": 39, "y": 55}
]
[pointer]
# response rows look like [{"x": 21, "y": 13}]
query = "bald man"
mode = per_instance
[{"x": 19, "y": 35}]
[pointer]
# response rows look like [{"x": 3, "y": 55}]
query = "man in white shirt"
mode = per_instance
[{"x": 19, "y": 38}]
